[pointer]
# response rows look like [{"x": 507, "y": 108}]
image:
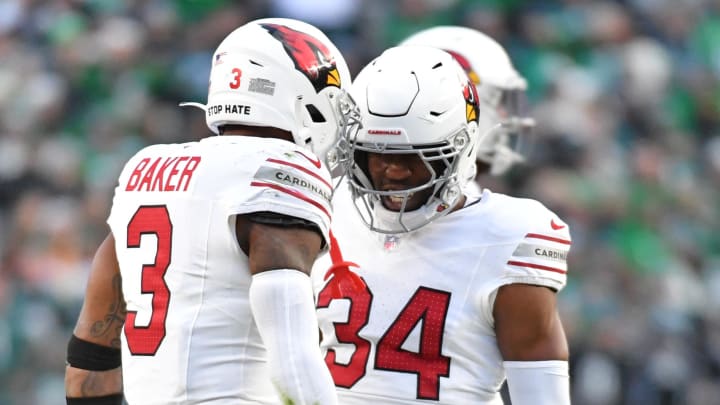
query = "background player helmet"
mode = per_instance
[
  {"x": 415, "y": 100},
  {"x": 282, "y": 73},
  {"x": 503, "y": 127}
]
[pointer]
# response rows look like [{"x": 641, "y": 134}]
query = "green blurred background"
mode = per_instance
[{"x": 627, "y": 150}]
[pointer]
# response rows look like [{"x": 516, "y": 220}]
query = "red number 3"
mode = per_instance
[
  {"x": 235, "y": 84},
  {"x": 426, "y": 306},
  {"x": 145, "y": 340},
  {"x": 346, "y": 375}
]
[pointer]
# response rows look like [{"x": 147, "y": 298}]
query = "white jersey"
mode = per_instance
[
  {"x": 422, "y": 330},
  {"x": 189, "y": 335}
]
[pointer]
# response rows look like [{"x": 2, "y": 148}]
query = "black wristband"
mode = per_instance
[
  {"x": 91, "y": 356},
  {"x": 113, "y": 399}
]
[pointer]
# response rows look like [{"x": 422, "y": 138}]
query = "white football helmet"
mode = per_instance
[
  {"x": 503, "y": 127},
  {"x": 283, "y": 73},
  {"x": 414, "y": 100}
]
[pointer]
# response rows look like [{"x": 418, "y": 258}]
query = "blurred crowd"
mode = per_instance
[{"x": 626, "y": 95}]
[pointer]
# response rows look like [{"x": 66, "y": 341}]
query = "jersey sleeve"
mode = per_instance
[
  {"x": 291, "y": 182},
  {"x": 540, "y": 254}
]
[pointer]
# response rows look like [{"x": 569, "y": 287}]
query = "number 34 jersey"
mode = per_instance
[
  {"x": 420, "y": 329},
  {"x": 189, "y": 335}
]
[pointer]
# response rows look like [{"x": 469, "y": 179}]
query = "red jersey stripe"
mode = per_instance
[
  {"x": 550, "y": 238},
  {"x": 536, "y": 266},
  {"x": 304, "y": 169},
  {"x": 292, "y": 193}
]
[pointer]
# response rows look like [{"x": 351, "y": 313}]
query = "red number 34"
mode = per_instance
[{"x": 428, "y": 306}]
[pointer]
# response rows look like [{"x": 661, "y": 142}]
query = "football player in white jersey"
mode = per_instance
[
  {"x": 429, "y": 295},
  {"x": 201, "y": 292},
  {"x": 503, "y": 127}
]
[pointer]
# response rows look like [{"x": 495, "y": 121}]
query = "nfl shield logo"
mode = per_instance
[
  {"x": 219, "y": 58},
  {"x": 391, "y": 242}
]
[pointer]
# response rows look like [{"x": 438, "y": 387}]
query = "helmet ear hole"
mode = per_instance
[{"x": 315, "y": 114}]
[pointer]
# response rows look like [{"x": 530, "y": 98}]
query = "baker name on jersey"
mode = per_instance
[
  {"x": 163, "y": 174},
  {"x": 228, "y": 109}
]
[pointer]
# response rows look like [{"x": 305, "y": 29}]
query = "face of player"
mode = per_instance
[{"x": 393, "y": 172}]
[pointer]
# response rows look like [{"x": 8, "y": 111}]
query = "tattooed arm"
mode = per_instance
[{"x": 100, "y": 322}]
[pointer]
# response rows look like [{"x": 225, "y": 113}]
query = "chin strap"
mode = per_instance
[{"x": 395, "y": 222}]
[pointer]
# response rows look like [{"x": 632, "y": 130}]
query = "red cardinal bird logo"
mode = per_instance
[
  {"x": 310, "y": 55},
  {"x": 465, "y": 65},
  {"x": 472, "y": 108}
]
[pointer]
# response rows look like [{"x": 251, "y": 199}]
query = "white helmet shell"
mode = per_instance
[
  {"x": 281, "y": 73},
  {"x": 489, "y": 67},
  {"x": 483, "y": 58},
  {"x": 415, "y": 100}
]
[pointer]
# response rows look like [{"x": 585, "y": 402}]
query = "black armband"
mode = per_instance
[
  {"x": 273, "y": 218},
  {"x": 287, "y": 221},
  {"x": 113, "y": 399},
  {"x": 91, "y": 356}
]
